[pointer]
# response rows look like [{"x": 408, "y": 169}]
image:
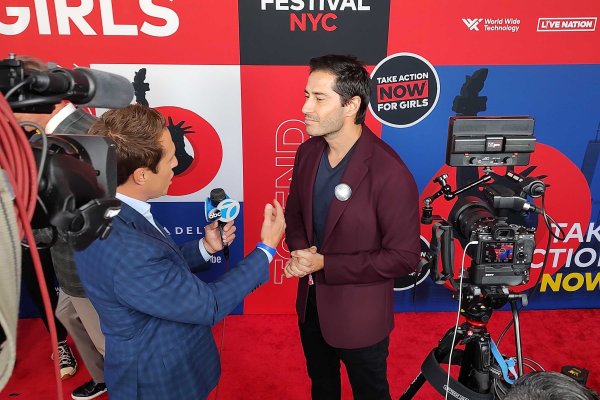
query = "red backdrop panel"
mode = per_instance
[
  {"x": 123, "y": 32},
  {"x": 436, "y": 31},
  {"x": 273, "y": 128}
]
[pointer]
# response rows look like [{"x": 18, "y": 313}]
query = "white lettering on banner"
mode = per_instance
[
  {"x": 402, "y": 78},
  {"x": 288, "y": 137},
  {"x": 64, "y": 13},
  {"x": 583, "y": 258},
  {"x": 303, "y": 19},
  {"x": 77, "y": 14},
  {"x": 108, "y": 22},
  {"x": 576, "y": 232},
  {"x": 169, "y": 16},
  {"x": 575, "y": 24},
  {"x": 189, "y": 230},
  {"x": 403, "y": 105},
  {"x": 23, "y": 16},
  {"x": 493, "y": 24},
  {"x": 278, "y": 271},
  {"x": 315, "y": 5},
  {"x": 43, "y": 19}
]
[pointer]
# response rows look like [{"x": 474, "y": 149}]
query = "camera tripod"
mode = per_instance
[{"x": 477, "y": 370}]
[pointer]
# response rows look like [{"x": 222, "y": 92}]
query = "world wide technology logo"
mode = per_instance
[
  {"x": 493, "y": 24},
  {"x": 472, "y": 23}
]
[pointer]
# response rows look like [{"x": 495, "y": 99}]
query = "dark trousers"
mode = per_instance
[
  {"x": 366, "y": 366},
  {"x": 33, "y": 287}
]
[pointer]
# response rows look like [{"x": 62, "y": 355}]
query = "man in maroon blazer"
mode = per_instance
[{"x": 353, "y": 226}]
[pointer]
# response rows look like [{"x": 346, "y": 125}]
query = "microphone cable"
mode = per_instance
[{"x": 222, "y": 344}]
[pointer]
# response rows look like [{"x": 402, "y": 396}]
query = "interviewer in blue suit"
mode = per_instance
[{"x": 155, "y": 313}]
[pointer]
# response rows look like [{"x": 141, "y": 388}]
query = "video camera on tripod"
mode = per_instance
[
  {"x": 494, "y": 219},
  {"x": 62, "y": 182},
  {"x": 77, "y": 182}
]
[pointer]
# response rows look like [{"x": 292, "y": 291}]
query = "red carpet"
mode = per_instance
[{"x": 262, "y": 357}]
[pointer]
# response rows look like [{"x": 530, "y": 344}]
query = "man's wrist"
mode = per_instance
[
  {"x": 272, "y": 251},
  {"x": 208, "y": 247}
]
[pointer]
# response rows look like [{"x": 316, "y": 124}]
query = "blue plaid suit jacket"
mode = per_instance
[{"x": 155, "y": 313}]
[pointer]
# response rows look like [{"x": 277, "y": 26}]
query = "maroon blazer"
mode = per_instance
[{"x": 369, "y": 240}]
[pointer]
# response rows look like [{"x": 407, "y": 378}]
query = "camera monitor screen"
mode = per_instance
[
  {"x": 489, "y": 141},
  {"x": 497, "y": 252}
]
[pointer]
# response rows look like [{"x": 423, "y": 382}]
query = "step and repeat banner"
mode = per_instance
[{"x": 229, "y": 77}]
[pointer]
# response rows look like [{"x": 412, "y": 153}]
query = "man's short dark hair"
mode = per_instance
[
  {"x": 549, "y": 386},
  {"x": 351, "y": 79},
  {"x": 136, "y": 131}
]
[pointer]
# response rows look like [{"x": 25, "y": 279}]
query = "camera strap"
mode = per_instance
[
  {"x": 506, "y": 365},
  {"x": 437, "y": 377}
]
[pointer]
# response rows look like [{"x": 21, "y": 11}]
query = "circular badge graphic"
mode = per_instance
[
  {"x": 408, "y": 281},
  {"x": 343, "y": 192},
  {"x": 404, "y": 89},
  {"x": 197, "y": 147}
]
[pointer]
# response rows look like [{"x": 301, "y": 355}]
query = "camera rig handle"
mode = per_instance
[{"x": 446, "y": 190}]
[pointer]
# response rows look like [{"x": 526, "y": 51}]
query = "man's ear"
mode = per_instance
[
  {"x": 140, "y": 176},
  {"x": 352, "y": 106}
]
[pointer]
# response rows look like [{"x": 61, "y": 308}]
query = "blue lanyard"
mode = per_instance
[{"x": 505, "y": 365}]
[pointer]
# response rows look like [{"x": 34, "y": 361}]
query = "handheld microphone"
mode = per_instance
[{"x": 218, "y": 206}]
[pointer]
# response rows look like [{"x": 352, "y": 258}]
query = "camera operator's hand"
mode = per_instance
[
  {"x": 273, "y": 225},
  {"x": 212, "y": 236},
  {"x": 304, "y": 262}
]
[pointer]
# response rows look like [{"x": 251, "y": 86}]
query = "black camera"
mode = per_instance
[
  {"x": 78, "y": 173},
  {"x": 494, "y": 222},
  {"x": 503, "y": 251}
]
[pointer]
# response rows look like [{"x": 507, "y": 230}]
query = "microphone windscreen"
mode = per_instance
[
  {"x": 217, "y": 195},
  {"x": 110, "y": 90}
]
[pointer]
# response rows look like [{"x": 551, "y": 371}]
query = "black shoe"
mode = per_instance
[
  {"x": 66, "y": 359},
  {"x": 89, "y": 390}
]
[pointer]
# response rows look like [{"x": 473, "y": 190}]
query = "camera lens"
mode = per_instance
[{"x": 468, "y": 214}]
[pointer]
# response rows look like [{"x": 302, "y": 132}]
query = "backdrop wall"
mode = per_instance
[{"x": 230, "y": 75}]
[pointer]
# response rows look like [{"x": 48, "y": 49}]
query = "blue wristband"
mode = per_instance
[{"x": 267, "y": 248}]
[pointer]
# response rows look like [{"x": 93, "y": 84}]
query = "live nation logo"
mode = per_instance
[
  {"x": 404, "y": 90},
  {"x": 574, "y": 24},
  {"x": 290, "y": 32}
]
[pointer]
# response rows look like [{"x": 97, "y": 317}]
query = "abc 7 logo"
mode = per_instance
[{"x": 229, "y": 209}]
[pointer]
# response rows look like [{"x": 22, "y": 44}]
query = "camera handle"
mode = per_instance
[{"x": 446, "y": 190}]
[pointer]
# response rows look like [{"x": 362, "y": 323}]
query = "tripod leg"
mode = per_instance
[
  {"x": 517, "y": 327},
  {"x": 414, "y": 387},
  {"x": 446, "y": 343}
]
